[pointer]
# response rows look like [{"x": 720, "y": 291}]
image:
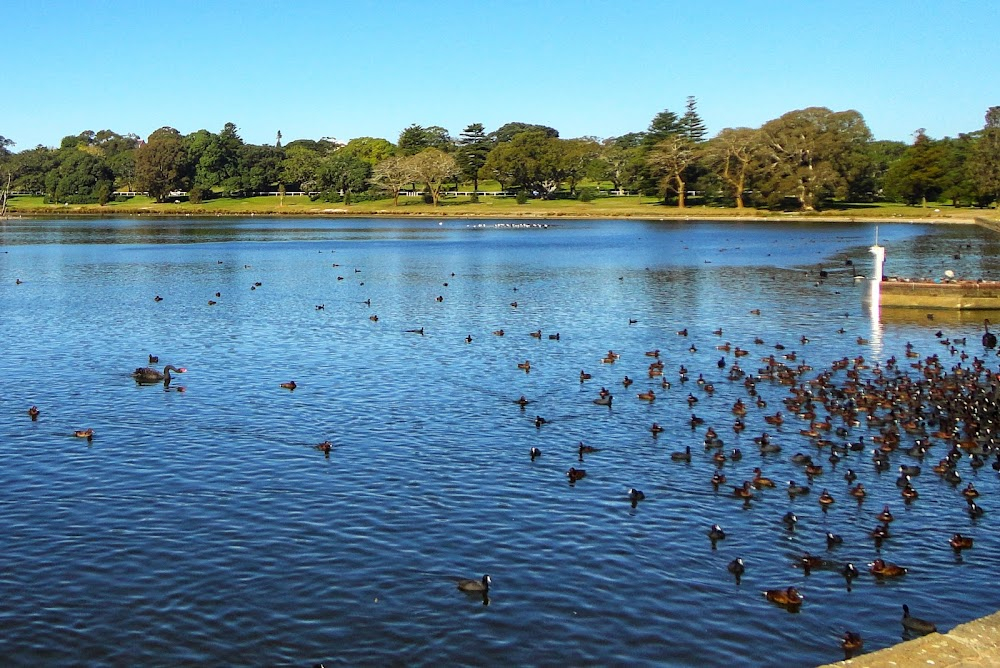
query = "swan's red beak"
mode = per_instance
[{"x": 182, "y": 370}]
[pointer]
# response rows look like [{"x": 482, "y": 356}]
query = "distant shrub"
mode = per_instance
[
  {"x": 199, "y": 194},
  {"x": 522, "y": 196},
  {"x": 428, "y": 198},
  {"x": 474, "y": 198},
  {"x": 586, "y": 194},
  {"x": 328, "y": 196}
]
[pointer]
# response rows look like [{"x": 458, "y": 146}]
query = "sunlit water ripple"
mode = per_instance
[{"x": 202, "y": 527}]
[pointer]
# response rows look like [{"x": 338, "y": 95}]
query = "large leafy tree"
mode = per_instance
[
  {"x": 161, "y": 165},
  {"x": 299, "y": 166},
  {"x": 810, "y": 152},
  {"x": 30, "y": 167},
  {"x": 344, "y": 173},
  {"x": 959, "y": 186},
  {"x": 370, "y": 149},
  {"x": 217, "y": 164},
  {"x": 473, "y": 147},
  {"x": 619, "y": 161},
  {"x": 577, "y": 156},
  {"x": 984, "y": 161},
  {"x": 416, "y": 138},
  {"x": 80, "y": 177},
  {"x": 531, "y": 160},
  {"x": 870, "y": 184},
  {"x": 393, "y": 175},
  {"x": 508, "y": 131},
  {"x": 919, "y": 176},
  {"x": 668, "y": 160},
  {"x": 4, "y": 145},
  {"x": 259, "y": 167},
  {"x": 733, "y": 155},
  {"x": 433, "y": 167}
]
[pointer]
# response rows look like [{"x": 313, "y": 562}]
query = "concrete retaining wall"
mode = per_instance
[{"x": 972, "y": 645}]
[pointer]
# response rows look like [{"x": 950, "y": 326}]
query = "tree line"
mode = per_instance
[{"x": 804, "y": 159}]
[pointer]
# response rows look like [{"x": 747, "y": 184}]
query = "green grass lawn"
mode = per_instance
[{"x": 632, "y": 206}]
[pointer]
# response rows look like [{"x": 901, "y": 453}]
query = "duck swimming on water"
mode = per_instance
[
  {"x": 789, "y": 598},
  {"x": 915, "y": 624},
  {"x": 478, "y": 586},
  {"x": 148, "y": 375},
  {"x": 989, "y": 338}
]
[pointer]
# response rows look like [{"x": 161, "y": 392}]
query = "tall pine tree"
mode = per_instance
[
  {"x": 691, "y": 125},
  {"x": 473, "y": 147}
]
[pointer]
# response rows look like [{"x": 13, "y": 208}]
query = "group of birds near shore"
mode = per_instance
[{"x": 939, "y": 406}]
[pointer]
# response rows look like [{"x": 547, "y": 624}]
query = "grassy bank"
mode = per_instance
[{"x": 487, "y": 207}]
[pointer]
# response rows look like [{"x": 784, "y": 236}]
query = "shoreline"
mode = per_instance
[{"x": 505, "y": 215}]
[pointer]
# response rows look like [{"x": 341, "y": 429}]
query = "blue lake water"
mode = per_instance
[{"x": 203, "y": 527}]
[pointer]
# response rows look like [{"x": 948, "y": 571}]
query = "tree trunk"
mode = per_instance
[
  {"x": 740, "y": 185},
  {"x": 681, "y": 191}
]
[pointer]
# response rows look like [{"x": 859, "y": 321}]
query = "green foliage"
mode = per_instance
[
  {"x": 416, "y": 138},
  {"x": 508, "y": 131},
  {"x": 199, "y": 194},
  {"x": 328, "y": 196},
  {"x": 810, "y": 153},
  {"x": 258, "y": 168},
  {"x": 432, "y": 167},
  {"x": 690, "y": 123},
  {"x": 664, "y": 124},
  {"x": 298, "y": 168},
  {"x": 522, "y": 196},
  {"x": 805, "y": 159},
  {"x": 427, "y": 198},
  {"x": 474, "y": 198},
  {"x": 918, "y": 177},
  {"x": 473, "y": 148},
  {"x": 587, "y": 194},
  {"x": 369, "y": 149},
  {"x": 341, "y": 171},
  {"x": 216, "y": 159},
  {"x": 531, "y": 161},
  {"x": 79, "y": 178},
  {"x": 162, "y": 165},
  {"x": 984, "y": 160}
]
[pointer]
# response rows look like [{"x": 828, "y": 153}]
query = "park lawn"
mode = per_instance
[{"x": 504, "y": 207}]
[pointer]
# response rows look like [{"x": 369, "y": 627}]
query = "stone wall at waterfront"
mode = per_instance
[{"x": 975, "y": 644}]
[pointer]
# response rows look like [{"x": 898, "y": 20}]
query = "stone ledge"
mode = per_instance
[{"x": 975, "y": 644}]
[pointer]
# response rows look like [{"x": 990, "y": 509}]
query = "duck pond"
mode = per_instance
[{"x": 206, "y": 523}]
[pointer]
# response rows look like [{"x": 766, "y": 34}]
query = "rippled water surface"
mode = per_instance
[{"x": 203, "y": 527}]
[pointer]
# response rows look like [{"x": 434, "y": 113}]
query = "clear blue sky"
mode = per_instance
[{"x": 315, "y": 68}]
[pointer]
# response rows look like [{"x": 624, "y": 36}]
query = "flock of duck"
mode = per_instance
[
  {"x": 939, "y": 407},
  {"x": 936, "y": 411}
]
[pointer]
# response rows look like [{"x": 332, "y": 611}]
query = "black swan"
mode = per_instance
[
  {"x": 148, "y": 375},
  {"x": 989, "y": 338}
]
